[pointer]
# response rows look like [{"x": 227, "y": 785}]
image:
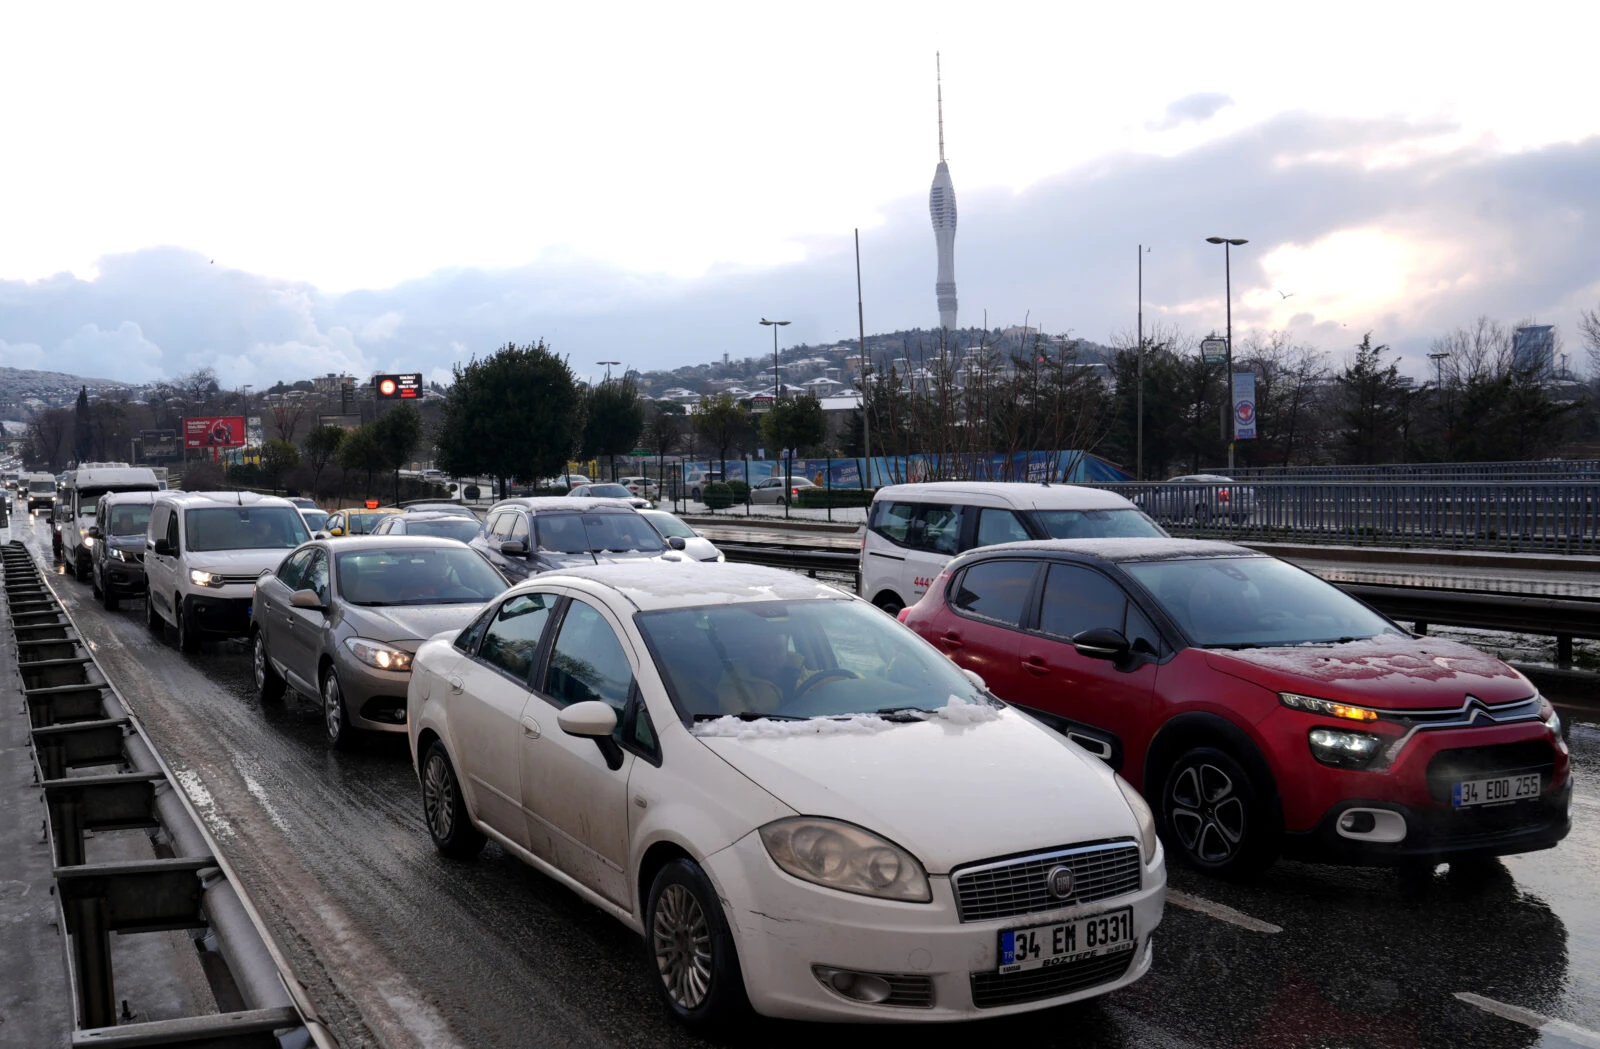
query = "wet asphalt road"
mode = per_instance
[{"x": 401, "y": 947}]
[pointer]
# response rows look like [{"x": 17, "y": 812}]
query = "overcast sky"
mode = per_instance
[{"x": 278, "y": 190}]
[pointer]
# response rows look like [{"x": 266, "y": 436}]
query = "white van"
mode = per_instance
[
  {"x": 84, "y": 487},
  {"x": 913, "y": 530},
  {"x": 203, "y": 553}
]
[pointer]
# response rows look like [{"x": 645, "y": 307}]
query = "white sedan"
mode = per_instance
[{"x": 799, "y": 804}]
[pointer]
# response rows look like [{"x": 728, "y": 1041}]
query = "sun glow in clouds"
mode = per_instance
[{"x": 1350, "y": 273}]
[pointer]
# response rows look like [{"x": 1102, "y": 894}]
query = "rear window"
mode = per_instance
[
  {"x": 1096, "y": 524},
  {"x": 245, "y": 528}
]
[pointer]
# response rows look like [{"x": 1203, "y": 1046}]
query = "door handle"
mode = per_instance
[
  {"x": 456, "y": 686},
  {"x": 1035, "y": 665},
  {"x": 952, "y": 640},
  {"x": 530, "y": 728}
]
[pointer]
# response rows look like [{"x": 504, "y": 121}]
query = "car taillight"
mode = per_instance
[
  {"x": 795, "y": 490},
  {"x": 1222, "y": 494}
]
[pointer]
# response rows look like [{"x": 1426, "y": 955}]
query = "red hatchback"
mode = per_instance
[{"x": 1259, "y": 709}]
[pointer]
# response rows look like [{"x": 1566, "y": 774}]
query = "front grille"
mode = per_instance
[
  {"x": 990, "y": 990},
  {"x": 245, "y": 579},
  {"x": 1019, "y": 886},
  {"x": 1449, "y": 767}
]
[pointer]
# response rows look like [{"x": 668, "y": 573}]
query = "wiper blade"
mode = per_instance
[
  {"x": 750, "y": 715},
  {"x": 904, "y": 713}
]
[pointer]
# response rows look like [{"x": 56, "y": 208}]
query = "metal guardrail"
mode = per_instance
[
  {"x": 1563, "y": 618},
  {"x": 1537, "y": 516},
  {"x": 1531, "y": 470},
  {"x": 100, "y": 772}
]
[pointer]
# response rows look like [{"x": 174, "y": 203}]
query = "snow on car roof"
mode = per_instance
[
  {"x": 1136, "y": 549},
  {"x": 684, "y": 584},
  {"x": 1028, "y": 494}
]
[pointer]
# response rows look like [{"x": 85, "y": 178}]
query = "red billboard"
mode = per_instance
[
  {"x": 397, "y": 387},
  {"x": 213, "y": 431}
]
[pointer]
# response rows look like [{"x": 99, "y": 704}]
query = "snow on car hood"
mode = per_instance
[
  {"x": 408, "y": 622},
  {"x": 1384, "y": 671},
  {"x": 950, "y": 791}
]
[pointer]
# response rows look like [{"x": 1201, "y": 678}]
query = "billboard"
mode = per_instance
[
  {"x": 213, "y": 431},
  {"x": 158, "y": 443},
  {"x": 403, "y": 387},
  {"x": 1213, "y": 350},
  {"x": 1244, "y": 406}
]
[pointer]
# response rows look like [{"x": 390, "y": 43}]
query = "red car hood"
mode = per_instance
[{"x": 1384, "y": 671}]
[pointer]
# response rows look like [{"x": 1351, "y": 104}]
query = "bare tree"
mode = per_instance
[
  {"x": 1589, "y": 328},
  {"x": 286, "y": 417}
]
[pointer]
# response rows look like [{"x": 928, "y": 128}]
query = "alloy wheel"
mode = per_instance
[
  {"x": 332, "y": 707},
  {"x": 438, "y": 796},
  {"x": 1207, "y": 814},
  {"x": 681, "y": 937},
  {"x": 258, "y": 661}
]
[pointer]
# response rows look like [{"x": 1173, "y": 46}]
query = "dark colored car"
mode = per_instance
[
  {"x": 431, "y": 522},
  {"x": 526, "y": 536},
  {"x": 438, "y": 506},
  {"x": 117, "y": 552},
  {"x": 1259, "y": 709}
]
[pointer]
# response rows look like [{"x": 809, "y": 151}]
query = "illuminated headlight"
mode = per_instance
[
  {"x": 1342, "y": 748},
  {"x": 88, "y": 542},
  {"x": 199, "y": 578},
  {"x": 1145, "y": 819},
  {"x": 843, "y": 856},
  {"x": 378, "y": 655},
  {"x": 1313, "y": 705},
  {"x": 116, "y": 554}
]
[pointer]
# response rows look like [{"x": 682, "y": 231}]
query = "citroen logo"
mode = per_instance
[{"x": 1059, "y": 882}]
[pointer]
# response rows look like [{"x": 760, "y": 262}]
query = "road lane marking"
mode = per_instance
[
  {"x": 1222, "y": 913},
  {"x": 1528, "y": 1018}
]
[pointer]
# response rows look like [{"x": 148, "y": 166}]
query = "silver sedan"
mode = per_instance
[
  {"x": 338, "y": 623},
  {"x": 775, "y": 490}
]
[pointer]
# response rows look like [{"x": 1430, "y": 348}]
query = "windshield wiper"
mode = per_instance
[
  {"x": 905, "y": 713},
  {"x": 751, "y": 715}
]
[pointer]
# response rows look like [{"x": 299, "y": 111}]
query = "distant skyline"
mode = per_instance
[{"x": 214, "y": 185}]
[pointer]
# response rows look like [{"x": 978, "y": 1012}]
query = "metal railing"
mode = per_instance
[
  {"x": 1561, "y": 517},
  {"x": 99, "y": 773},
  {"x": 1533, "y": 470}
]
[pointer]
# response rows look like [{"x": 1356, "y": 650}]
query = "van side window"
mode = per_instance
[
  {"x": 172, "y": 532},
  {"x": 999, "y": 526},
  {"x": 893, "y": 521},
  {"x": 940, "y": 529}
]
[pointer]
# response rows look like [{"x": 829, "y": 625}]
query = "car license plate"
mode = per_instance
[
  {"x": 1495, "y": 790},
  {"x": 1043, "y": 946}
]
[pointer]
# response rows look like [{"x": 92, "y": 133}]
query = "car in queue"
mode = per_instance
[
  {"x": 438, "y": 506},
  {"x": 433, "y": 523},
  {"x": 121, "y": 521},
  {"x": 82, "y": 491},
  {"x": 641, "y": 485},
  {"x": 1261, "y": 710},
  {"x": 913, "y": 530},
  {"x": 775, "y": 491},
  {"x": 339, "y": 620},
  {"x": 1201, "y": 498},
  {"x": 671, "y": 526},
  {"x": 526, "y": 535},
  {"x": 788, "y": 795},
  {"x": 609, "y": 491},
  {"x": 203, "y": 552},
  {"x": 38, "y": 491},
  {"x": 316, "y": 519},
  {"x": 357, "y": 520}
]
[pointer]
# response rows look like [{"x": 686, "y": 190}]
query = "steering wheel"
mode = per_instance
[{"x": 821, "y": 676}]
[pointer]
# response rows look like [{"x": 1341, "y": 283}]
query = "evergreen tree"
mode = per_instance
[
  {"x": 1372, "y": 407},
  {"x": 514, "y": 414}
]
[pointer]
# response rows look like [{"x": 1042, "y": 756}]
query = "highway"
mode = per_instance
[{"x": 401, "y": 947}]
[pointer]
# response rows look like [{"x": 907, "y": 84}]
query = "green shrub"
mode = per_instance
[
  {"x": 718, "y": 495},
  {"x": 819, "y": 498},
  {"x": 741, "y": 491},
  {"x": 471, "y": 493}
]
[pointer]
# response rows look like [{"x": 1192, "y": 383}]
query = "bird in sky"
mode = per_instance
[{"x": 1285, "y": 294}]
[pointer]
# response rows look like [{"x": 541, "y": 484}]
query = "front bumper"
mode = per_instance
[
  {"x": 218, "y": 616},
  {"x": 783, "y": 927},
  {"x": 374, "y": 700},
  {"x": 123, "y": 578}
]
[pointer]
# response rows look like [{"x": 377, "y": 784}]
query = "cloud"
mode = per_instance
[
  {"x": 1388, "y": 225},
  {"x": 1196, "y": 108},
  {"x": 21, "y": 355}
]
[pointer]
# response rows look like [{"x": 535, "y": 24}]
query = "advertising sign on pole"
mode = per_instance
[
  {"x": 1214, "y": 351},
  {"x": 213, "y": 431},
  {"x": 1244, "y": 406},
  {"x": 403, "y": 387},
  {"x": 158, "y": 443}
]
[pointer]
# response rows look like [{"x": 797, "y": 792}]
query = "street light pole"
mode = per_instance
[
  {"x": 866, "y": 419},
  {"x": 1228, "y": 244},
  {"x": 1138, "y": 469},
  {"x": 777, "y": 387},
  {"x": 608, "y": 365}
]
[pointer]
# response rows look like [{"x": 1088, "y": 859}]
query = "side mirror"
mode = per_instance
[
  {"x": 306, "y": 599},
  {"x": 322, "y": 535},
  {"x": 335, "y": 531},
  {"x": 676, "y": 542},
  {"x": 93, "y": 532},
  {"x": 519, "y": 548},
  {"x": 594, "y": 720},
  {"x": 162, "y": 548},
  {"x": 1101, "y": 643}
]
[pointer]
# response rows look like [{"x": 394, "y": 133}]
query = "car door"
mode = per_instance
[
  {"x": 1101, "y": 704},
  {"x": 298, "y": 646},
  {"x": 164, "y": 581},
  {"x": 270, "y": 606},
  {"x": 986, "y": 605},
  {"x": 488, "y": 695},
  {"x": 573, "y": 797}
]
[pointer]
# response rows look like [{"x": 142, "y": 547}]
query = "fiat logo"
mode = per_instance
[{"x": 1059, "y": 882}]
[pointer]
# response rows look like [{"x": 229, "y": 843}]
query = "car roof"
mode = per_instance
[
  {"x": 438, "y": 515},
  {"x": 1023, "y": 495},
  {"x": 1121, "y": 551},
  {"x": 117, "y": 498},
  {"x": 652, "y": 585},
  {"x": 190, "y": 500},
  {"x": 86, "y": 476},
  {"x": 382, "y": 542},
  {"x": 563, "y": 503},
  {"x": 369, "y": 510},
  {"x": 434, "y": 506}
]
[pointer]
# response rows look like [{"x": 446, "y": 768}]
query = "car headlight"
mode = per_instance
[
  {"x": 115, "y": 553},
  {"x": 1548, "y": 714},
  {"x": 843, "y": 856},
  {"x": 1145, "y": 818},
  {"x": 377, "y": 654},
  {"x": 88, "y": 542},
  {"x": 199, "y": 578},
  {"x": 1342, "y": 748},
  {"x": 1328, "y": 707}
]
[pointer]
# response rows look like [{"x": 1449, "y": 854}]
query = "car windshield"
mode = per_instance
[
  {"x": 411, "y": 576},
  {"x": 670, "y": 526},
  {"x": 1096, "y": 524},
  {"x": 450, "y": 528},
  {"x": 609, "y": 491},
  {"x": 245, "y": 528},
  {"x": 42, "y": 487},
  {"x": 130, "y": 519},
  {"x": 799, "y": 659},
  {"x": 1251, "y": 602},
  {"x": 596, "y": 533},
  {"x": 363, "y": 524},
  {"x": 315, "y": 519}
]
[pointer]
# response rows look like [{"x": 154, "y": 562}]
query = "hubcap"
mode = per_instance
[
  {"x": 332, "y": 706},
  {"x": 1207, "y": 813},
  {"x": 682, "y": 941},
  {"x": 260, "y": 662},
  {"x": 438, "y": 797}
]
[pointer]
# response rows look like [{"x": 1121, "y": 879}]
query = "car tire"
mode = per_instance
[
  {"x": 81, "y": 571},
  {"x": 152, "y": 619},
  {"x": 108, "y": 598},
  {"x": 889, "y": 603},
  {"x": 270, "y": 685},
  {"x": 336, "y": 728},
  {"x": 1215, "y": 816},
  {"x": 94, "y": 583},
  {"x": 1202, "y": 515},
  {"x": 691, "y": 949},
  {"x": 188, "y": 638},
  {"x": 444, "y": 809}
]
